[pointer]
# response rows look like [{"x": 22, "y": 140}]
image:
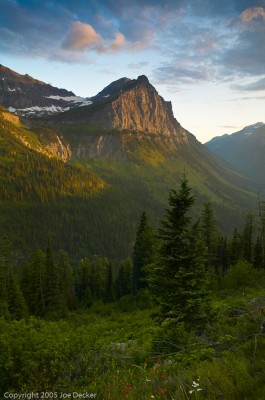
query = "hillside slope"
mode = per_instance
[
  {"x": 126, "y": 142},
  {"x": 244, "y": 150}
]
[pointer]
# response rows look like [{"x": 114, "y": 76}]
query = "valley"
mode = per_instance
[
  {"x": 131, "y": 256},
  {"x": 126, "y": 151}
]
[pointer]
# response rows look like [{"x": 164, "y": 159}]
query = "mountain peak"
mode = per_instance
[
  {"x": 112, "y": 89},
  {"x": 250, "y": 129},
  {"x": 133, "y": 105},
  {"x": 143, "y": 79}
]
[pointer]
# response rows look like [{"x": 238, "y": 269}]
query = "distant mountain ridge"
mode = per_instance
[
  {"x": 244, "y": 150},
  {"x": 25, "y": 95}
]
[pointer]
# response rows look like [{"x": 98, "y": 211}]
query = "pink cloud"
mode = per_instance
[
  {"x": 118, "y": 42},
  {"x": 251, "y": 13},
  {"x": 81, "y": 36}
]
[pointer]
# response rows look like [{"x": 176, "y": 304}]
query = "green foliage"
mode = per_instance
[
  {"x": 209, "y": 234},
  {"x": 178, "y": 279},
  {"x": 248, "y": 238},
  {"x": 29, "y": 175},
  {"x": 108, "y": 295},
  {"x": 44, "y": 196},
  {"x": 258, "y": 260},
  {"x": 48, "y": 284},
  {"x": 123, "y": 281},
  {"x": 143, "y": 253},
  {"x": 141, "y": 301},
  {"x": 12, "y": 303},
  {"x": 236, "y": 249},
  {"x": 66, "y": 280},
  {"x": 55, "y": 304},
  {"x": 243, "y": 275},
  {"x": 33, "y": 283}
]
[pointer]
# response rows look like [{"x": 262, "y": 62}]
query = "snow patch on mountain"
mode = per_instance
[
  {"x": 12, "y": 109},
  {"x": 46, "y": 110},
  {"x": 74, "y": 99}
]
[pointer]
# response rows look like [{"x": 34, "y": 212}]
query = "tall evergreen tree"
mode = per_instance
[
  {"x": 33, "y": 283},
  {"x": 236, "y": 248},
  {"x": 222, "y": 260},
  {"x": 143, "y": 253},
  {"x": 247, "y": 239},
  {"x": 82, "y": 281},
  {"x": 4, "y": 265},
  {"x": 16, "y": 302},
  {"x": 123, "y": 280},
  {"x": 66, "y": 280},
  {"x": 209, "y": 234},
  {"x": 12, "y": 302},
  {"x": 178, "y": 278},
  {"x": 258, "y": 261},
  {"x": 54, "y": 301},
  {"x": 108, "y": 296}
]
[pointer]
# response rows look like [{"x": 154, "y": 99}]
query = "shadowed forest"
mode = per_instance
[{"x": 182, "y": 317}]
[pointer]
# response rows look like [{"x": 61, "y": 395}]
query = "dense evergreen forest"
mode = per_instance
[
  {"x": 86, "y": 204},
  {"x": 180, "y": 318}
]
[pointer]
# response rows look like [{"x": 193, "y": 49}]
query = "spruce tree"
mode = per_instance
[
  {"x": 258, "y": 254},
  {"x": 143, "y": 253},
  {"x": 236, "y": 248},
  {"x": 247, "y": 238},
  {"x": 12, "y": 302},
  {"x": 209, "y": 234},
  {"x": 4, "y": 265},
  {"x": 16, "y": 302},
  {"x": 222, "y": 255},
  {"x": 54, "y": 301},
  {"x": 66, "y": 280},
  {"x": 178, "y": 278},
  {"x": 108, "y": 295},
  {"x": 82, "y": 288},
  {"x": 123, "y": 280},
  {"x": 33, "y": 283}
]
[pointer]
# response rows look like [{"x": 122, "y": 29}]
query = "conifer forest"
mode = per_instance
[{"x": 180, "y": 317}]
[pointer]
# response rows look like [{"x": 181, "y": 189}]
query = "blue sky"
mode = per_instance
[{"x": 206, "y": 56}]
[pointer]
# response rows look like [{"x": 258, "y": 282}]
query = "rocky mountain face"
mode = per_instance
[
  {"x": 244, "y": 150},
  {"x": 132, "y": 105},
  {"x": 25, "y": 95}
]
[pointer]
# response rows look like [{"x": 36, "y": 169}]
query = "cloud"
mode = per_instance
[
  {"x": 10, "y": 39},
  {"x": 252, "y": 13},
  {"x": 246, "y": 98},
  {"x": 118, "y": 42},
  {"x": 181, "y": 74},
  {"x": 190, "y": 41},
  {"x": 246, "y": 57},
  {"x": 253, "y": 86},
  {"x": 81, "y": 36},
  {"x": 229, "y": 126},
  {"x": 139, "y": 65}
]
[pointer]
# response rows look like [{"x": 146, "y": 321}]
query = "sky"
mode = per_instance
[{"x": 207, "y": 57}]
